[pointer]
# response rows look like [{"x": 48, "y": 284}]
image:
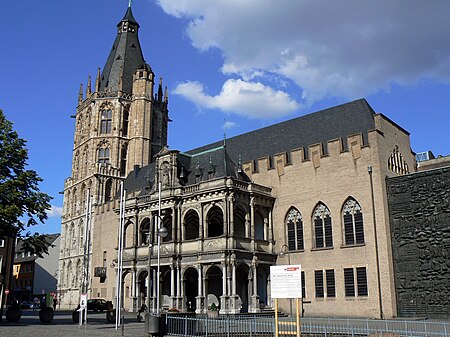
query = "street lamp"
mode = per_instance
[{"x": 285, "y": 252}]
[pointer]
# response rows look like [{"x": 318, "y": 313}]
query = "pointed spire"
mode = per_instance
[
  {"x": 88, "y": 87},
  {"x": 160, "y": 92},
  {"x": 239, "y": 165},
  {"x": 97, "y": 81},
  {"x": 80, "y": 93},
  {"x": 130, "y": 3},
  {"x": 166, "y": 95}
]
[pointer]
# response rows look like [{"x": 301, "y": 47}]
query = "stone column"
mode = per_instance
[
  {"x": 134, "y": 281},
  {"x": 255, "y": 298},
  {"x": 200, "y": 298},
  {"x": 224, "y": 297},
  {"x": 235, "y": 305},
  {"x": 252, "y": 222},
  {"x": 172, "y": 286},
  {"x": 270, "y": 232}
]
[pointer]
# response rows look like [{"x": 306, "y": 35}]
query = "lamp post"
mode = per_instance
[{"x": 285, "y": 252}]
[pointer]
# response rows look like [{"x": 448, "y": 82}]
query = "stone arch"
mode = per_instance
[
  {"x": 68, "y": 273},
  {"x": 190, "y": 283},
  {"x": 239, "y": 221},
  {"x": 167, "y": 223},
  {"x": 213, "y": 285},
  {"x": 128, "y": 234},
  {"x": 242, "y": 285},
  {"x": 215, "y": 221},
  {"x": 191, "y": 221},
  {"x": 144, "y": 232}
]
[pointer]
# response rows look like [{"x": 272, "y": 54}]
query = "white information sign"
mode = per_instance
[
  {"x": 286, "y": 281},
  {"x": 83, "y": 301}
]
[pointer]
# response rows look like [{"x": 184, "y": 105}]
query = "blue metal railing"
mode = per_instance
[{"x": 257, "y": 326}]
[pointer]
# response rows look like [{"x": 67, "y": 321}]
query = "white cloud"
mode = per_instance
[
  {"x": 54, "y": 212},
  {"x": 228, "y": 125},
  {"x": 346, "y": 48},
  {"x": 249, "y": 99}
]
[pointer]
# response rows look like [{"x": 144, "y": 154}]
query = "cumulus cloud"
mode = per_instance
[
  {"x": 347, "y": 48},
  {"x": 228, "y": 125},
  {"x": 54, "y": 211},
  {"x": 250, "y": 99}
]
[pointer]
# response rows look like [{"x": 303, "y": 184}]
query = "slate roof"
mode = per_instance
[
  {"x": 341, "y": 121},
  {"x": 319, "y": 127},
  {"x": 125, "y": 57}
]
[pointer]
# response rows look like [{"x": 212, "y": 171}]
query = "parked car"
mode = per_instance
[
  {"x": 97, "y": 304},
  {"x": 27, "y": 305}
]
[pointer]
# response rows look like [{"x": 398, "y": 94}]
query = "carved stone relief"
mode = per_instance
[{"x": 419, "y": 214}]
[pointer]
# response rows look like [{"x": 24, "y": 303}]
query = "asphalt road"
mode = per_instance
[{"x": 62, "y": 325}]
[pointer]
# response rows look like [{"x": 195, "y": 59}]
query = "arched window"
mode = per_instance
[
  {"x": 108, "y": 190},
  {"x": 353, "y": 222},
  {"x": 323, "y": 233},
  {"x": 215, "y": 222},
  {"x": 191, "y": 225},
  {"x": 294, "y": 228},
  {"x": 167, "y": 223},
  {"x": 123, "y": 161},
  {"x": 259, "y": 227},
  {"x": 106, "y": 122},
  {"x": 239, "y": 222},
  {"x": 144, "y": 232},
  {"x": 103, "y": 156}
]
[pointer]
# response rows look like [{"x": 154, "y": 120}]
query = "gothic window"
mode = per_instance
[
  {"x": 123, "y": 161},
  {"x": 126, "y": 115},
  {"x": 106, "y": 121},
  {"x": 353, "y": 223},
  {"x": 396, "y": 163},
  {"x": 294, "y": 227},
  {"x": 103, "y": 156},
  {"x": 108, "y": 190},
  {"x": 323, "y": 233}
]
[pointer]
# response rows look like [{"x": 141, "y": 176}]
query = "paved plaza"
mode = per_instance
[{"x": 62, "y": 325}]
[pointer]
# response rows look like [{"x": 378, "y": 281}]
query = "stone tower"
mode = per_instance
[{"x": 120, "y": 123}]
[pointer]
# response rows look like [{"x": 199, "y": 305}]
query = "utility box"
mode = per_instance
[{"x": 152, "y": 324}]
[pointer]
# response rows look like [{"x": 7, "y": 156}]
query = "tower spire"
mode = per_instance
[{"x": 130, "y": 3}]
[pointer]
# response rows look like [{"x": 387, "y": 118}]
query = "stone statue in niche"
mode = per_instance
[{"x": 165, "y": 175}]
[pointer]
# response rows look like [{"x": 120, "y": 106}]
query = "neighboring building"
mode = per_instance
[
  {"x": 6, "y": 265},
  {"x": 34, "y": 276},
  {"x": 314, "y": 185}
]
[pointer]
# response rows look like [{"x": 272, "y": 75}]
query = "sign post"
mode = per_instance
[
  {"x": 286, "y": 282},
  {"x": 83, "y": 307}
]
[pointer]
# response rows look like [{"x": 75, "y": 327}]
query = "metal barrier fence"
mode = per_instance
[{"x": 255, "y": 326}]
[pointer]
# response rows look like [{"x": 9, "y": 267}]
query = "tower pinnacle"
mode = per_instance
[{"x": 129, "y": 3}]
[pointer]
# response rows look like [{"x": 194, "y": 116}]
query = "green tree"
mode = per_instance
[{"x": 22, "y": 203}]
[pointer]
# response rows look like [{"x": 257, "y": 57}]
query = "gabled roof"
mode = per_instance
[{"x": 125, "y": 56}]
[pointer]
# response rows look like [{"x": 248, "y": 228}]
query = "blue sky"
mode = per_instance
[{"x": 230, "y": 65}]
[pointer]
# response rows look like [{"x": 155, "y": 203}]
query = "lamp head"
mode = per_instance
[{"x": 163, "y": 232}]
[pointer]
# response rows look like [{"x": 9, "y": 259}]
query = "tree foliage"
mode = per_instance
[{"x": 22, "y": 203}]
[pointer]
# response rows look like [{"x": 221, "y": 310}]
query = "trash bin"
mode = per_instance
[{"x": 152, "y": 324}]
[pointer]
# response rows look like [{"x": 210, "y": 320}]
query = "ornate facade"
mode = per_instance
[{"x": 313, "y": 187}]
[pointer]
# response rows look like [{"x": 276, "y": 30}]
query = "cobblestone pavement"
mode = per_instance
[{"x": 62, "y": 325}]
